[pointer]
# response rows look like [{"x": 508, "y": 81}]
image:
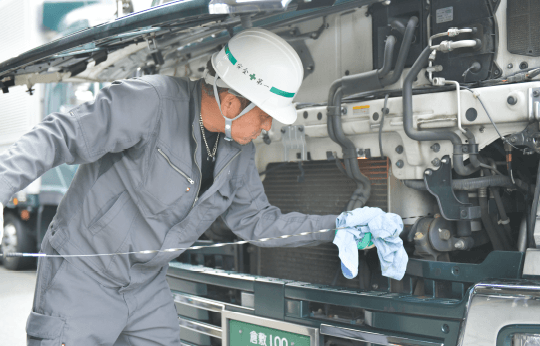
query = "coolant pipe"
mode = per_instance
[
  {"x": 486, "y": 220},
  {"x": 505, "y": 220},
  {"x": 427, "y": 135},
  {"x": 388, "y": 54},
  {"x": 403, "y": 53},
  {"x": 468, "y": 184},
  {"x": 349, "y": 154}
]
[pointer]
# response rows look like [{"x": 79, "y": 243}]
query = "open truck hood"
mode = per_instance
[{"x": 160, "y": 38}]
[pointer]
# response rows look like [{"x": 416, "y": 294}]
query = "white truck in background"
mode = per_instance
[{"x": 26, "y": 24}]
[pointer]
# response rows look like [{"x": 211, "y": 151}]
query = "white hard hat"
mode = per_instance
[{"x": 264, "y": 69}]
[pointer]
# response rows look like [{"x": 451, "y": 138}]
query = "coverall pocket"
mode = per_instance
[
  {"x": 168, "y": 181},
  {"x": 43, "y": 330}
]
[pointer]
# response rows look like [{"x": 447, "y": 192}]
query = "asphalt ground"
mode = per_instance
[{"x": 16, "y": 296}]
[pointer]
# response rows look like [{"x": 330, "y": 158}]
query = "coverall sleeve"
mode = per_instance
[
  {"x": 251, "y": 217},
  {"x": 121, "y": 116}
]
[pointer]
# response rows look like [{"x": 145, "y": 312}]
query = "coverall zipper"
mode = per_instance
[
  {"x": 191, "y": 181},
  {"x": 196, "y": 164}
]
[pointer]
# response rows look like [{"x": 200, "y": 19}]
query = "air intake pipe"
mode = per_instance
[{"x": 429, "y": 135}]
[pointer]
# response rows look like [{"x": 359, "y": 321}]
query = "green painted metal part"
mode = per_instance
[{"x": 242, "y": 333}]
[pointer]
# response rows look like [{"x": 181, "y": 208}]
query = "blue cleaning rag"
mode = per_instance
[{"x": 384, "y": 228}]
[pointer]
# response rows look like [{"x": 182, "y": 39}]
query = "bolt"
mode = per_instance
[
  {"x": 465, "y": 149},
  {"x": 513, "y": 139},
  {"x": 436, "y": 162},
  {"x": 511, "y": 100},
  {"x": 240, "y": 331},
  {"x": 436, "y": 147},
  {"x": 428, "y": 172},
  {"x": 344, "y": 110},
  {"x": 482, "y": 129},
  {"x": 375, "y": 286},
  {"x": 301, "y": 128},
  {"x": 399, "y": 149},
  {"x": 444, "y": 234},
  {"x": 445, "y": 160},
  {"x": 445, "y": 328},
  {"x": 460, "y": 244},
  {"x": 510, "y": 65},
  {"x": 463, "y": 213},
  {"x": 536, "y": 93},
  {"x": 400, "y": 164},
  {"x": 523, "y": 65},
  {"x": 282, "y": 130}
]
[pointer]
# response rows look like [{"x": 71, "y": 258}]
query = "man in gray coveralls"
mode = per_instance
[{"x": 155, "y": 172}]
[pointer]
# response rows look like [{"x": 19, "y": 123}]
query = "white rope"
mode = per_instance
[
  {"x": 143, "y": 252},
  {"x": 197, "y": 247}
]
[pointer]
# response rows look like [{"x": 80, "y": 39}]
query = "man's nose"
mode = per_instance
[{"x": 267, "y": 124}]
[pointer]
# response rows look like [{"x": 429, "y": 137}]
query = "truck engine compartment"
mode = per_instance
[{"x": 428, "y": 109}]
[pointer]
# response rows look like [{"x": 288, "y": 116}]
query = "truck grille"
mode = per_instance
[{"x": 325, "y": 190}]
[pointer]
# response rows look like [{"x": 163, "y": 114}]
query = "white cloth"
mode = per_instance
[{"x": 385, "y": 229}]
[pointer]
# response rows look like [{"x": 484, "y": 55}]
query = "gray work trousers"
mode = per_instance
[{"x": 71, "y": 309}]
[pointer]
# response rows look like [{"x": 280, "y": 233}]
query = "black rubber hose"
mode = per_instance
[
  {"x": 504, "y": 216},
  {"x": 348, "y": 145},
  {"x": 403, "y": 53},
  {"x": 411, "y": 132},
  {"x": 467, "y": 184},
  {"x": 488, "y": 225},
  {"x": 388, "y": 54}
]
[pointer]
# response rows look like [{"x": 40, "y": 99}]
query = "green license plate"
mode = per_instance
[{"x": 247, "y": 334}]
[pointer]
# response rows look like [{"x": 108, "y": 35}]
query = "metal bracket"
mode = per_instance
[
  {"x": 530, "y": 137},
  {"x": 439, "y": 184},
  {"x": 294, "y": 137},
  {"x": 534, "y": 104}
]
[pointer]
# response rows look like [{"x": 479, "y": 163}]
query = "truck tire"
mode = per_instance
[{"x": 16, "y": 239}]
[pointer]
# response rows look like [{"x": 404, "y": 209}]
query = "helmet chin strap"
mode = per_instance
[{"x": 228, "y": 122}]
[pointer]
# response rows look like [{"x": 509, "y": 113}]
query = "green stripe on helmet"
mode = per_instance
[
  {"x": 281, "y": 92},
  {"x": 229, "y": 54}
]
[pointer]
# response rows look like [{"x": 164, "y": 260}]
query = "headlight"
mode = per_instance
[{"x": 522, "y": 339}]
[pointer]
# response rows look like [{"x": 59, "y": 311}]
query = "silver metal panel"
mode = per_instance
[
  {"x": 532, "y": 262},
  {"x": 234, "y": 6},
  {"x": 370, "y": 337},
  {"x": 204, "y": 303},
  {"x": 248, "y": 300},
  {"x": 200, "y": 327},
  {"x": 495, "y": 305},
  {"x": 313, "y": 333}
]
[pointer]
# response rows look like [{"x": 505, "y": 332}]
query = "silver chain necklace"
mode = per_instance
[{"x": 211, "y": 155}]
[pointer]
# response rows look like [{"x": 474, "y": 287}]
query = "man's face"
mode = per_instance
[{"x": 249, "y": 126}]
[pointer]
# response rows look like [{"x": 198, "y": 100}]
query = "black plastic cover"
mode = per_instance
[
  {"x": 477, "y": 14},
  {"x": 392, "y": 20}
]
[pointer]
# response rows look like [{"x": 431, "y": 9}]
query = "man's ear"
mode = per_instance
[{"x": 230, "y": 105}]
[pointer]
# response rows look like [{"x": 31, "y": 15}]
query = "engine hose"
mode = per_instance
[
  {"x": 388, "y": 55},
  {"x": 468, "y": 184},
  {"x": 505, "y": 221},
  {"x": 403, "y": 53},
  {"x": 357, "y": 199},
  {"x": 488, "y": 224},
  {"x": 351, "y": 163},
  {"x": 427, "y": 135}
]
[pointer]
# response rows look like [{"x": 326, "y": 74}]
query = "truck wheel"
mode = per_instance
[{"x": 16, "y": 239}]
